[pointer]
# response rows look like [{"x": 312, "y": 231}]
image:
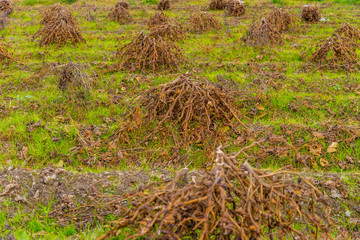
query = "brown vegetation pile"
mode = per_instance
[
  {"x": 6, "y": 7},
  {"x": 280, "y": 19},
  {"x": 3, "y": 20},
  {"x": 157, "y": 19},
  {"x": 349, "y": 31},
  {"x": 198, "y": 110},
  {"x": 336, "y": 53},
  {"x": 310, "y": 13},
  {"x": 228, "y": 202},
  {"x": 149, "y": 52},
  {"x": 217, "y": 4},
  {"x": 202, "y": 21},
  {"x": 163, "y": 5},
  {"x": 119, "y": 13},
  {"x": 171, "y": 31},
  {"x": 5, "y": 56},
  {"x": 59, "y": 27},
  {"x": 235, "y": 8},
  {"x": 262, "y": 33}
]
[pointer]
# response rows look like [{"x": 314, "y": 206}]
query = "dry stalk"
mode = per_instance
[
  {"x": 217, "y": 4},
  {"x": 201, "y": 22},
  {"x": 163, "y": 5},
  {"x": 310, "y": 13},
  {"x": 280, "y": 19},
  {"x": 263, "y": 33},
  {"x": 6, "y": 7},
  {"x": 235, "y": 8},
  {"x": 120, "y": 14}
]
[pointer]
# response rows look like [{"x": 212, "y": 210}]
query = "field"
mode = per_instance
[{"x": 129, "y": 114}]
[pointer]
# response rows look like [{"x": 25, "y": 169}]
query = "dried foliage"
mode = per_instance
[
  {"x": 119, "y": 13},
  {"x": 6, "y": 7},
  {"x": 163, "y": 5},
  {"x": 59, "y": 27},
  {"x": 349, "y": 31},
  {"x": 157, "y": 19},
  {"x": 197, "y": 109},
  {"x": 202, "y": 21},
  {"x": 5, "y": 56},
  {"x": 217, "y": 4},
  {"x": 3, "y": 20},
  {"x": 310, "y": 13},
  {"x": 235, "y": 8},
  {"x": 262, "y": 33},
  {"x": 229, "y": 202},
  {"x": 149, "y": 52},
  {"x": 171, "y": 31},
  {"x": 336, "y": 53},
  {"x": 281, "y": 19}
]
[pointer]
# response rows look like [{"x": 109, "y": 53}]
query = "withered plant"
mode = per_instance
[
  {"x": 122, "y": 4},
  {"x": 119, "y": 13},
  {"x": 235, "y": 8},
  {"x": 5, "y": 56},
  {"x": 55, "y": 13},
  {"x": 280, "y": 19},
  {"x": 171, "y": 31},
  {"x": 201, "y": 22},
  {"x": 157, "y": 19},
  {"x": 6, "y": 7},
  {"x": 336, "y": 53},
  {"x": 163, "y": 5},
  {"x": 149, "y": 52},
  {"x": 3, "y": 20},
  {"x": 262, "y": 33},
  {"x": 310, "y": 13},
  {"x": 228, "y": 202},
  {"x": 217, "y": 4},
  {"x": 349, "y": 31}
]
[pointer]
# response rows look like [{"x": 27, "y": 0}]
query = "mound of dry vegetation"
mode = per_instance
[
  {"x": 228, "y": 202},
  {"x": 201, "y": 22},
  {"x": 158, "y": 18},
  {"x": 6, "y": 7},
  {"x": 235, "y": 8},
  {"x": 217, "y": 4},
  {"x": 160, "y": 25},
  {"x": 3, "y": 20},
  {"x": 5, "y": 56},
  {"x": 349, "y": 31},
  {"x": 59, "y": 27},
  {"x": 262, "y": 33},
  {"x": 163, "y": 5},
  {"x": 310, "y": 13},
  {"x": 280, "y": 19},
  {"x": 120, "y": 13}
]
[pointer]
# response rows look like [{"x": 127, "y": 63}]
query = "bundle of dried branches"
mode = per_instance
[
  {"x": 6, "y": 7},
  {"x": 202, "y": 21},
  {"x": 122, "y": 4},
  {"x": 5, "y": 56},
  {"x": 119, "y": 13},
  {"x": 217, "y": 4},
  {"x": 157, "y": 19},
  {"x": 336, "y": 53},
  {"x": 262, "y": 33},
  {"x": 281, "y": 19},
  {"x": 171, "y": 31},
  {"x": 235, "y": 8},
  {"x": 349, "y": 31},
  {"x": 3, "y": 20},
  {"x": 55, "y": 13},
  {"x": 197, "y": 109},
  {"x": 229, "y": 202},
  {"x": 163, "y": 5},
  {"x": 310, "y": 13},
  {"x": 149, "y": 52}
]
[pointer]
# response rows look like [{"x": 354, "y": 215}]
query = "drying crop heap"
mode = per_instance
[
  {"x": 235, "y": 8},
  {"x": 160, "y": 25},
  {"x": 5, "y": 56},
  {"x": 228, "y": 202},
  {"x": 202, "y": 21},
  {"x": 120, "y": 13},
  {"x": 310, "y": 13},
  {"x": 263, "y": 33},
  {"x": 280, "y": 19},
  {"x": 217, "y": 4},
  {"x": 349, "y": 31},
  {"x": 163, "y": 5},
  {"x": 157, "y": 19},
  {"x": 59, "y": 27},
  {"x": 6, "y": 7}
]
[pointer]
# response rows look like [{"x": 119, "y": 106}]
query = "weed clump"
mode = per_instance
[
  {"x": 163, "y": 5},
  {"x": 310, "y": 13},
  {"x": 6, "y": 7},
  {"x": 149, "y": 52},
  {"x": 5, "y": 56},
  {"x": 202, "y": 22},
  {"x": 120, "y": 13},
  {"x": 280, "y": 19},
  {"x": 235, "y": 8},
  {"x": 227, "y": 202},
  {"x": 217, "y": 4},
  {"x": 157, "y": 19},
  {"x": 263, "y": 33}
]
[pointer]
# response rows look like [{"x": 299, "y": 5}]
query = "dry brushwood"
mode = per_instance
[
  {"x": 198, "y": 109},
  {"x": 5, "y": 56},
  {"x": 163, "y": 5},
  {"x": 235, "y": 8},
  {"x": 3, "y": 20},
  {"x": 280, "y": 19},
  {"x": 6, "y": 7},
  {"x": 202, "y": 21},
  {"x": 119, "y": 14},
  {"x": 171, "y": 31},
  {"x": 122, "y": 4},
  {"x": 157, "y": 19},
  {"x": 262, "y": 33},
  {"x": 217, "y": 4},
  {"x": 310, "y": 13},
  {"x": 149, "y": 52},
  {"x": 228, "y": 202},
  {"x": 349, "y": 31},
  {"x": 336, "y": 53},
  {"x": 55, "y": 13}
]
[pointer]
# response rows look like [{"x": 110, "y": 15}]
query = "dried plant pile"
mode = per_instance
[
  {"x": 171, "y": 31},
  {"x": 229, "y": 202},
  {"x": 349, "y": 31},
  {"x": 6, "y": 7},
  {"x": 5, "y": 56},
  {"x": 280, "y": 19},
  {"x": 163, "y": 5},
  {"x": 310, "y": 13},
  {"x": 3, "y": 20},
  {"x": 202, "y": 21},
  {"x": 336, "y": 53},
  {"x": 217, "y": 4},
  {"x": 149, "y": 52},
  {"x": 235, "y": 8},
  {"x": 158, "y": 18},
  {"x": 59, "y": 27},
  {"x": 262, "y": 33},
  {"x": 120, "y": 13},
  {"x": 197, "y": 109}
]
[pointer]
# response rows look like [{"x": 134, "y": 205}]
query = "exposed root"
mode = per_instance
[
  {"x": 310, "y": 13},
  {"x": 149, "y": 52},
  {"x": 163, "y": 5},
  {"x": 202, "y": 21},
  {"x": 229, "y": 202},
  {"x": 157, "y": 19},
  {"x": 6, "y": 7},
  {"x": 280, "y": 19},
  {"x": 119, "y": 13},
  {"x": 263, "y": 33},
  {"x": 217, "y": 4},
  {"x": 235, "y": 8}
]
